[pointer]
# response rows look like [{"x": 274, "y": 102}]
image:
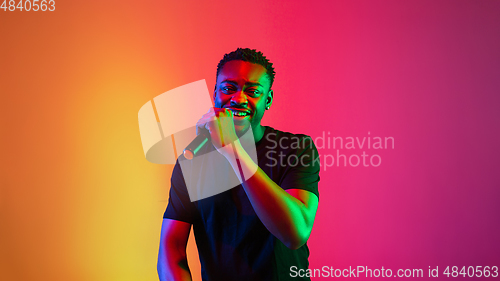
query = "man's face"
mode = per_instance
[{"x": 244, "y": 88}]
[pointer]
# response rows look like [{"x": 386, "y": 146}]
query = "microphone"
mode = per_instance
[{"x": 197, "y": 144}]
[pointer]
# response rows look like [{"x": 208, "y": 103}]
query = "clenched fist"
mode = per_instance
[{"x": 219, "y": 123}]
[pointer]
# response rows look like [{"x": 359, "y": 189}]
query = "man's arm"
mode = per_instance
[
  {"x": 172, "y": 260},
  {"x": 288, "y": 215}
]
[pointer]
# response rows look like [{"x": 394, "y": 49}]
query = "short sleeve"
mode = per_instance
[
  {"x": 179, "y": 205},
  {"x": 304, "y": 172}
]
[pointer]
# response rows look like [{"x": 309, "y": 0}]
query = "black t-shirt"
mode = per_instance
[{"x": 232, "y": 242}]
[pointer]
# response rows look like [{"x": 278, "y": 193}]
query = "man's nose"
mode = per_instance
[{"x": 239, "y": 98}]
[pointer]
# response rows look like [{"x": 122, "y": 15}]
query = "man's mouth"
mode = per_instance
[{"x": 239, "y": 113}]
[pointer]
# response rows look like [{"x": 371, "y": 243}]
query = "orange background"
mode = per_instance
[{"x": 79, "y": 201}]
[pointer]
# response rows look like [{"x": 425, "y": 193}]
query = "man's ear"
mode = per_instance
[
  {"x": 215, "y": 91},
  {"x": 270, "y": 98}
]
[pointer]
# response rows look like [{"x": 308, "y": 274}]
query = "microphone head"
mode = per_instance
[
  {"x": 188, "y": 154},
  {"x": 196, "y": 145}
]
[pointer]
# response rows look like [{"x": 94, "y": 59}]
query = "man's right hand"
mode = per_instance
[
  {"x": 219, "y": 123},
  {"x": 172, "y": 260}
]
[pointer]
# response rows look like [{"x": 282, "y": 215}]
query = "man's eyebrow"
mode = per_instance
[
  {"x": 247, "y": 83},
  {"x": 228, "y": 81},
  {"x": 253, "y": 84}
]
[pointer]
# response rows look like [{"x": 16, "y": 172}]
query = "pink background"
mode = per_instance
[{"x": 79, "y": 201}]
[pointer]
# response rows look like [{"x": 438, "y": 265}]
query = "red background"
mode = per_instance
[{"x": 79, "y": 201}]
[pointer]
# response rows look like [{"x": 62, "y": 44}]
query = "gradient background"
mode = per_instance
[{"x": 79, "y": 201}]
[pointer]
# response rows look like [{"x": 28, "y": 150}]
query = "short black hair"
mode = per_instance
[{"x": 249, "y": 55}]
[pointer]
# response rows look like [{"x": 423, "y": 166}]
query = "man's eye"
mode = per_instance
[
  {"x": 253, "y": 92},
  {"x": 227, "y": 89}
]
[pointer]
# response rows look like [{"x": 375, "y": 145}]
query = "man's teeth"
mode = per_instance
[{"x": 237, "y": 113}]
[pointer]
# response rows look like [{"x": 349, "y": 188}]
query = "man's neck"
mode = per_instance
[{"x": 258, "y": 133}]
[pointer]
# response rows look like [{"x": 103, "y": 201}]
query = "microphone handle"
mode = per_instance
[{"x": 196, "y": 145}]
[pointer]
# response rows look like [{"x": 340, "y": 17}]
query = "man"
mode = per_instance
[{"x": 259, "y": 229}]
